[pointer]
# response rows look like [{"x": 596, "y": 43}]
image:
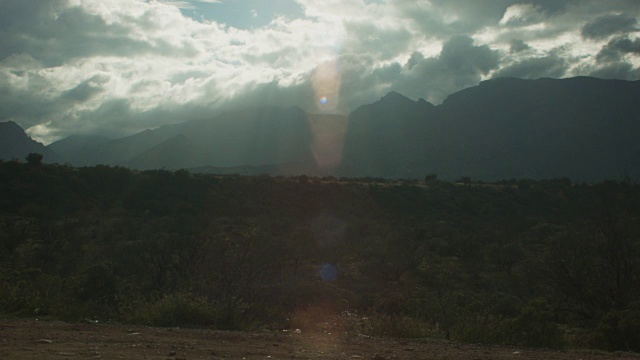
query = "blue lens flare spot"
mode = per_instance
[
  {"x": 329, "y": 272},
  {"x": 323, "y": 100}
]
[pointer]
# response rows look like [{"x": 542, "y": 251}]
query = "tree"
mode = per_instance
[
  {"x": 431, "y": 178},
  {"x": 34, "y": 159},
  {"x": 466, "y": 180}
]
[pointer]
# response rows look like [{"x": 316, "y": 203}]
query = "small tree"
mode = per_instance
[
  {"x": 431, "y": 178},
  {"x": 34, "y": 159},
  {"x": 466, "y": 180}
]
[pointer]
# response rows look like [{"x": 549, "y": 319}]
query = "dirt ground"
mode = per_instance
[{"x": 25, "y": 339}]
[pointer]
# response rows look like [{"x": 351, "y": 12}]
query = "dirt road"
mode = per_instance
[{"x": 23, "y": 339}]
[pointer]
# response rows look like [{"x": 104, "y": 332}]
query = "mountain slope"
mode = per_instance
[
  {"x": 78, "y": 150},
  {"x": 15, "y": 144},
  {"x": 583, "y": 128},
  {"x": 388, "y": 137},
  {"x": 253, "y": 137},
  {"x": 174, "y": 153}
]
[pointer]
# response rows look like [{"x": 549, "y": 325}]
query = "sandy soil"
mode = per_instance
[{"x": 24, "y": 339}]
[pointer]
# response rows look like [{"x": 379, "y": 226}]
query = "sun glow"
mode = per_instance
[{"x": 326, "y": 85}]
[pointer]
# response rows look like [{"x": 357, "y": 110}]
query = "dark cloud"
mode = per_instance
[
  {"x": 85, "y": 90},
  {"x": 609, "y": 24},
  {"x": 23, "y": 106},
  {"x": 552, "y": 66},
  {"x": 362, "y": 85},
  {"x": 460, "y": 64},
  {"x": 625, "y": 45},
  {"x": 55, "y": 33},
  {"x": 616, "y": 70},
  {"x": 460, "y": 55},
  {"x": 618, "y": 47},
  {"x": 517, "y": 46}
]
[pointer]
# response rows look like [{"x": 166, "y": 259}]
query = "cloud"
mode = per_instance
[
  {"x": 552, "y": 66},
  {"x": 609, "y": 24},
  {"x": 516, "y": 46},
  {"x": 374, "y": 40},
  {"x": 86, "y": 90},
  {"x": 462, "y": 56},
  {"x": 617, "y": 48},
  {"x": 460, "y": 64},
  {"x": 616, "y": 70},
  {"x": 120, "y": 66},
  {"x": 188, "y": 4},
  {"x": 521, "y": 14},
  {"x": 57, "y": 34}
]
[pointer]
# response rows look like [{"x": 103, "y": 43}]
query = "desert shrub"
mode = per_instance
[
  {"x": 400, "y": 327},
  {"x": 174, "y": 310},
  {"x": 630, "y": 327},
  {"x": 315, "y": 318},
  {"x": 535, "y": 326},
  {"x": 619, "y": 330},
  {"x": 38, "y": 295}
]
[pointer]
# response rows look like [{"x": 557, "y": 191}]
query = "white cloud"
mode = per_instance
[
  {"x": 520, "y": 14},
  {"x": 188, "y": 4}
]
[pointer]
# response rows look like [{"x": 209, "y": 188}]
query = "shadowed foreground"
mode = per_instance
[{"x": 57, "y": 340}]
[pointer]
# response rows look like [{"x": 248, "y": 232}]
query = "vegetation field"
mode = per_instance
[{"x": 521, "y": 263}]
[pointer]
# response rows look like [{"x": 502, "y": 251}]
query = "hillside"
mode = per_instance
[{"x": 583, "y": 128}]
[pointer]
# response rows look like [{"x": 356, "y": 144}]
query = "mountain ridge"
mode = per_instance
[
  {"x": 584, "y": 128},
  {"x": 16, "y": 144}
]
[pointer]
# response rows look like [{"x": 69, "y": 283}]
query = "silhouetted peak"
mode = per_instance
[
  {"x": 395, "y": 97},
  {"x": 10, "y": 132},
  {"x": 12, "y": 127}
]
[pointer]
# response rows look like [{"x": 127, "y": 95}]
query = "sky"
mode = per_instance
[{"x": 117, "y": 67}]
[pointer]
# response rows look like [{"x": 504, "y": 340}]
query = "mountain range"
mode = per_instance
[{"x": 583, "y": 128}]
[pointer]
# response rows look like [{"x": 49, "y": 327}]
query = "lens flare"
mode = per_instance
[
  {"x": 328, "y": 272},
  {"x": 326, "y": 82},
  {"x": 328, "y": 133}
]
